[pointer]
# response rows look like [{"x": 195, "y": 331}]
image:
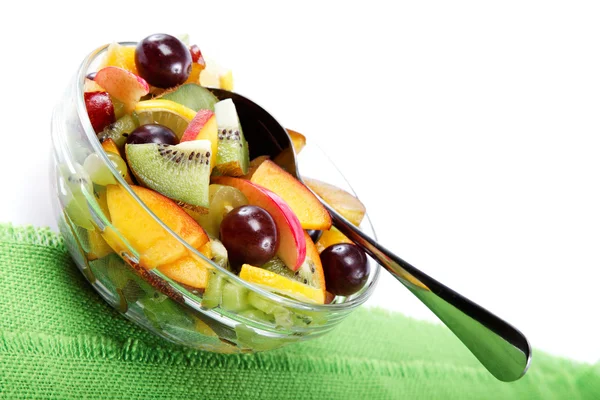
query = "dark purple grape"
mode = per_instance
[
  {"x": 250, "y": 236},
  {"x": 314, "y": 234},
  {"x": 152, "y": 133},
  {"x": 345, "y": 267},
  {"x": 163, "y": 60}
]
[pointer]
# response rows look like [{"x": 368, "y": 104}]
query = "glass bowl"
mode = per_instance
[{"x": 231, "y": 315}]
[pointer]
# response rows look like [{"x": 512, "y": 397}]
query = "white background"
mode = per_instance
[{"x": 469, "y": 129}]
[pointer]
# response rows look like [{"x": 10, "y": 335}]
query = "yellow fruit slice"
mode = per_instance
[
  {"x": 120, "y": 56},
  {"x": 215, "y": 76},
  {"x": 226, "y": 81},
  {"x": 279, "y": 284},
  {"x": 165, "y": 112},
  {"x": 98, "y": 246},
  {"x": 343, "y": 202},
  {"x": 195, "y": 73},
  {"x": 298, "y": 140},
  {"x": 331, "y": 237}
]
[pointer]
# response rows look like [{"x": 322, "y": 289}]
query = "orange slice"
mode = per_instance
[
  {"x": 279, "y": 284},
  {"x": 165, "y": 112},
  {"x": 331, "y": 237}
]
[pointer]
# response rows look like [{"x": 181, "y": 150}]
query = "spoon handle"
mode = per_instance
[{"x": 500, "y": 347}]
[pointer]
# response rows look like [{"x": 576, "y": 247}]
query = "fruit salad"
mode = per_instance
[{"x": 185, "y": 154}]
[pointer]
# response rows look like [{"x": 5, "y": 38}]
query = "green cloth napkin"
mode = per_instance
[{"x": 59, "y": 340}]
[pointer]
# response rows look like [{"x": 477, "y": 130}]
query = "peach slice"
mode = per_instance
[
  {"x": 154, "y": 245},
  {"x": 298, "y": 140},
  {"x": 203, "y": 126},
  {"x": 122, "y": 85},
  {"x": 188, "y": 271},
  {"x": 343, "y": 202},
  {"x": 303, "y": 202},
  {"x": 292, "y": 242},
  {"x": 98, "y": 246}
]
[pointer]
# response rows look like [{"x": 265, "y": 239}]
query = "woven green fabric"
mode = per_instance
[{"x": 59, "y": 340}]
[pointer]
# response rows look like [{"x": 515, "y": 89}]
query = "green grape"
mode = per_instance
[
  {"x": 100, "y": 174},
  {"x": 73, "y": 180},
  {"x": 222, "y": 199}
]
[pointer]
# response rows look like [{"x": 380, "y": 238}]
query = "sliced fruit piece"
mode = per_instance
[
  {"x": 212, "y": 73},
  {"x": 100, "y": 109},
  {"x": 232, "y": 154},
  {"x": 206, "y": 249},
  {"x": 310, "y": 273},
  {"x": 192, "y": 96},
  {"x": 253, "y": 166},
  {"x": 298, "y": 140},
  {"x": 154, "y": 245},
  {"x": 120, "y": 56},
  {"x": 123, "y": 85},
  {"x": 204, "y": 127},
  {"x": 90, "y": 86},
  {"x": 186, "y": 270},
  {"x": 98, "y": 246},
  {"x": 109, "y": 146},
  {"x": 292, "y": 242},
  {"x": 73, "y": 180},
  {"x": 279, "y": 284},
  {"x": 221, "y": 199},
  {"x": 165, "y": 112},
  {"x": 99, "y": 171},
  {"x": 119, "y": 130},
  {"x": 343, "y": 202},
  {"x": 234, "y": 297},
  {"x": 219, "y": 253},
  {"x": 195, "y": 74},
  {"x": 226, "y": 81},
  {"x": 331, "y": 237},
  {"x": 306, "y": 206},
  {"x": 180, "y": 172},
  {"x": 214, "y": 290}
]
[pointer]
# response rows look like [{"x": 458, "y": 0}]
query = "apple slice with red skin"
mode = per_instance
[
  {"x": 292, "y": 242},
  {"x": 203, "y": 126},
  {"x": 100, "y": 109},
  {"x": 122, "y": 85}
]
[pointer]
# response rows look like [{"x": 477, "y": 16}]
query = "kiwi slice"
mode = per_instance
[
  {"x": 180, "y": 172},
  {"x": 234, "y": 297},
  {"x": 232, "y": 154},
  {"x": 119, "y": 130},
  {"x": 219, "y": 253},
  {"x": 192, "y": 96},
  {"x": 305, "y": 274}
]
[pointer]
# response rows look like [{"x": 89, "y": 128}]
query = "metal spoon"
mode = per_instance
[{"x": 500, "y": 347}]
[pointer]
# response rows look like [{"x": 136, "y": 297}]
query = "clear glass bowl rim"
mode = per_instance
[{"x": 84, "y": 120}]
